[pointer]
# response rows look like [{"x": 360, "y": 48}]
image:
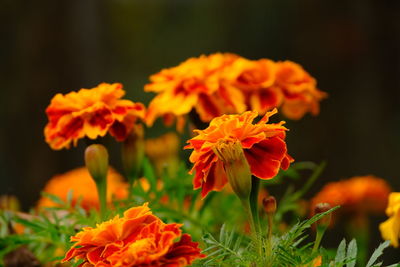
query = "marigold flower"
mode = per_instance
[
  {"x": 139, "y": 238},
  {"x": 263, "y": 145},
  {"x": 299, "y": 90},
  {"x": 360, "y": 194},
  {"x": 390, "y": 229},
  {"x": 195, "y": 83},
  {"x": 226, "y": 83},
  {"x": 255, "y": 79},
  {"x": 83, "y": 187},
  {"x": 90, "y": 113}
]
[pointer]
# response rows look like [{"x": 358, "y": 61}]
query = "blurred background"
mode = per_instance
[{"x": 351, "y": 47}]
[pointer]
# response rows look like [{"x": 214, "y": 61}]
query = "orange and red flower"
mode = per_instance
[
  {"x": 83, "y": 188},
  {"x": 90, "y": 113},
  {"x": 357, "y": 195},
  {"x": 227, "y": 83},
  {"x": 263, "y": 145},
  {"x": 299, "y": 90},
  {"x": 195, "y": 83},
  {"x": 256, "y": 81},
  {"x": 139, "y": 238}
]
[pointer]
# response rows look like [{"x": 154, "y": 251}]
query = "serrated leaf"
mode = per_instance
[
  {"x": 377, "y": 253},
  {"x": 352, "y": 253},
  {"x": 341, "y": 252}
]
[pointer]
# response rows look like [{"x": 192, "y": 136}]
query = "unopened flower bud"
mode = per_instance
[
  {"x": 133, "y": 151},
  {"x": 269, "y": 204},
  {"x": 236, "y": 166},
  {"x": 326, "y": 220},
  {"x": 96, "y": 160}
]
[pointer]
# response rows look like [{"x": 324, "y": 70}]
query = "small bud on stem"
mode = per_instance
[
  {"x": 321, "y": 224},
  {"x": 269, "y": 204},
  {"x": 96, "y": 159}
]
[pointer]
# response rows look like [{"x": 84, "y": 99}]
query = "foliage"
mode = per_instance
[{"x": 216, "y": 221}]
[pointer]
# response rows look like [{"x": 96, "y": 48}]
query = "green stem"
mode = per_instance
[
  {"x": 358, "y": 228},
  {"x": 320, "y": 234},
  {"x": 247, "y": 208},
  {"x": 254, "y": 214},
  {"x": 269, "y": 238},
  {"x": 102, "y": 193},
  {"x": 255, "y": 186}
]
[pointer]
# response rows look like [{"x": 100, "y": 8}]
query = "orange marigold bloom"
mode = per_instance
[
  {"x": 360, "y": 194},
  {"x": 195, "y": 83},
  {"x": 90, "y": 113},
  {"x": 299, "y": 90},
  {"x": 263, "y": 145},
  {"x": 227, "y": 83},
  {"x": 255, "y": 79},
  {"x": 139, "y": 238},
  {"x": 83, "y": 187}
]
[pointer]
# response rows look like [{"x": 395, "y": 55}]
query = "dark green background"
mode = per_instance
[{"x": 351, "y": 47}]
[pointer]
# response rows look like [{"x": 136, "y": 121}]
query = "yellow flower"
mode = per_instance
[{"x": 390, "y": 229}]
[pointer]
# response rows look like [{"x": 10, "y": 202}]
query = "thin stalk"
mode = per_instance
[
  {"x": 254, "y": 235},
  {"x": 358, "y": 228},
  {"x": 102, "y": 193},
  {"x": 254, "y": 214},
  {"x": 255, "y": 187},
  {"x": 318, "y": 238},
  {"x": 268, "y": 250}
]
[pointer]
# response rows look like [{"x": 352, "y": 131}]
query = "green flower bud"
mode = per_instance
[
  {"x": 236, "y": 166},
  {"x": 96, "y": 160}
]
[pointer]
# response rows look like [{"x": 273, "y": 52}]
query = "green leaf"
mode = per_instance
[
  {"x": 352, "y": 253},
  {"x": 53, "y": 198},
  {"x": 377, "y": 253},
  {"x": 341, "y": 252}
]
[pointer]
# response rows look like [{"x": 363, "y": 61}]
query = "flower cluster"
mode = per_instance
[
  {"x": 390, "y": 229},
  {"x": 90, "y": 113},
  {"x": 237, "y": 97},
  {"x": 227, "y": 83},
  {"x": 139, "y": 238},
  {"x": 263, "y": 145},
  {"x": 360, "y": 194},
  {"x": 83, "y": 188}
]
